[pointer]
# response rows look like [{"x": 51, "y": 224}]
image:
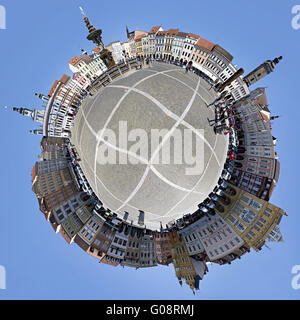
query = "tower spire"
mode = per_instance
[
  {"x": 35, "y": 115},
  {"x": 41, "y": 96},
  {"x": 94, "y": 35},
  {"x": 36, "y": 131},
  {"x": 261, "y": 71}
]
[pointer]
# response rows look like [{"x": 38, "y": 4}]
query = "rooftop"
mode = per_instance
[
  {"x": 154, "y": 29},
  {"x": 203, "y": 43}
]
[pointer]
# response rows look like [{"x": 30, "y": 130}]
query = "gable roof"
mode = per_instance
[
  {"x": 225, "y": 53},
  {"x": 205, "y": 44},
  {"x": 172, "y": 31},
  {"x": 161, "y": 33},
  {"x": 193, "y": 35},
  {"x": 181, "y": 34},
  {"x": 154, "y": 29},
  {"x": 74, "y": 60}
]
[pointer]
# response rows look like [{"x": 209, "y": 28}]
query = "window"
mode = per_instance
[{"x": 266, "y": 214}]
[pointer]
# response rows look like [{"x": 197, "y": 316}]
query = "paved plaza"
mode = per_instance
[{"x": 161, "y": 97}]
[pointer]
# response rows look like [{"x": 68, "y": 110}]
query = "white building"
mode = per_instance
[
  {"x": 116, "y": 49},
  {"x": 90, "y": 66},
  {"x": 145, "y": 45},
  {"x": 217, "y": 61},
  {"x": 147, "y": 252},
  {"x": 188, "y": 47},
  {"x": 160, "y": 44},
  {"x": 152, "y": 39},
  {"x": 261, "y": 151},
  {"x": 126, "y": 50},
  {"x": 218, "y": 238},
  {"x": 177, "y": 46},
  {"x": 192, "y": 238},
  {"x": 238, "y": 87},
  {"x": 259, "y": 138},
  {"x": 118, "y": 245}
]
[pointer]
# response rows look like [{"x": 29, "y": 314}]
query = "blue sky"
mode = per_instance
[{"x": 41, "y": 37}]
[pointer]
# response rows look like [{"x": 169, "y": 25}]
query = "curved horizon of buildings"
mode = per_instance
[{"x": 235, "y": 217}]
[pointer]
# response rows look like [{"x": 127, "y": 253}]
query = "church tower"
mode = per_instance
[
  {"x": 261, "y": 71},
  {"x": 36, "y": 131},
  {"x": 35, "y": 115},
  {"x": 42, "y": 97}
]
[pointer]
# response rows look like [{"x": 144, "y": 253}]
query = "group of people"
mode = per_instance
[{"x": 224, "y": 119}]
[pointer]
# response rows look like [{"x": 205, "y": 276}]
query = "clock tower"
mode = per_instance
[{"x": 261, "y": 71}]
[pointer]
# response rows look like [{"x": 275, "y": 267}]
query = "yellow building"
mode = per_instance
[
  {"x": 139, "y": 45},
  {"x": 169, "y": 38},
  {"x": 183, "y": 263},
  {"x": 251, "y": 217}
]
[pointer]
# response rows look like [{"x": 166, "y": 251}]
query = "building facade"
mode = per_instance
[
  {"x": 152, "y": 39},
  {"x": 201, "y": 52},
  {"x": 188, "y": 47},
  {"x": 217, "y": 62},
  {"x": 250, "y": 217},
  {"x": 116, "y": 49},
  {"x": 177, "y": 45},
  {"x": 163, "y": 248}
]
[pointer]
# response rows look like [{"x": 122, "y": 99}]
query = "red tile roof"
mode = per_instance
[
  {"x": 193, "y": 35},
  {"x": 154, "y": 29},
  {"x": 140, "y": 36},
  {"x": 97, "y": 50},
  {"x": 64, "y": 78},
  {"x": 161, "y": 33},
  {"x": 205, "y": 44},
  {"x": 182, "y": 34},
  {"x": 173, "y": 31},
  {"x": 53, "y": 88},
  {"x": 112, "y": 43},
  {"x": 74, "y": 61}
]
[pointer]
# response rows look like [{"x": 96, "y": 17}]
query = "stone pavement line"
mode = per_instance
[
  {"x": 110, "y": 117},
  {"x": 145, "y": 161},
  {"x": 167, "y": 75},
  {"x": 95, "y": 100},
  {"x": 99, "y": 139},
  {"x": 155, "y": 73},
  {"x": 186, "y": 85},
  {"x": 166, "y": 214},
  {"x": 129, "y": 205},
  {"x": 165, "y": 138},
  {"x": 172, "y": 115}
]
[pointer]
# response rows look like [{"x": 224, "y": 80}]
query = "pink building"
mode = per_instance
[{"x": 81, "y": 80}]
